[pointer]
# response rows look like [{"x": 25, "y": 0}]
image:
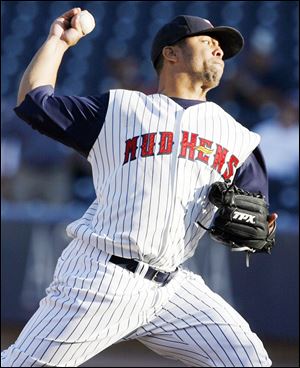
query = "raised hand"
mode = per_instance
[{"x": 67, "y": 27}]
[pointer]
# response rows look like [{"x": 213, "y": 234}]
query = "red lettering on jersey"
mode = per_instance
[
  {"x": 148, "y": 144},
  {"x": 131, "y": 146},
  {"x": 185, "y": 144},
  {"x": 166, "y": 143},
  {"x": 219, "y": 158},
  {"x": 233, "y": 162},
  {"x": 204, "y": 150}
]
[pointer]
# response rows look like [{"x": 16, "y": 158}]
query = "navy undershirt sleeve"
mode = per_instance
[
  {"x": 252, "y": 175},
  {"x": 72, "y": 120}
]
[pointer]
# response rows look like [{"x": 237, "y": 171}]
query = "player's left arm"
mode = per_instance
[{"x": 252, "y": 177}]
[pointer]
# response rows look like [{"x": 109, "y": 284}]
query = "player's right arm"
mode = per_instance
[
  {"x": 75, "y": 121},
  {"x": 65, "y": 32}
]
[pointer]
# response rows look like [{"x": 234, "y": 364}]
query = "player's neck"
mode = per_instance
[{"x": 182, "y": 86}]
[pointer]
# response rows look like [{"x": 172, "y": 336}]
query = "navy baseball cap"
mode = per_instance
[{"x": 182, "y": 26}]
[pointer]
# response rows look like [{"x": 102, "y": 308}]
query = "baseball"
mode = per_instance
[{"x": 87, "y": 22}]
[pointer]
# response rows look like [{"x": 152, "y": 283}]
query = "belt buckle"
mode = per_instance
[
  {"x": 163, "y": 282},
  {"x": 155, "y": 275}
]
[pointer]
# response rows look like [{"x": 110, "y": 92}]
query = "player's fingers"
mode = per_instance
[
  {"x": 272, "y": 218},
  {"x": 70, "y": 13},
  {"x": 64, "y": 22},
  {"x": 75, "y": 23},
  {"x": 271, "y": 221}
]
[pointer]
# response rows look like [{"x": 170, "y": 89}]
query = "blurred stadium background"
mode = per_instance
[{"x": 45, "y": 185}]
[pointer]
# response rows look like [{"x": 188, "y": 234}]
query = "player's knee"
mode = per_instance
[
  {"x": 14, "y": 357},
  {"x": 253, "y": 355},
  {"x": 240, "y": 357},
  {"x": 241, "y": 353}
]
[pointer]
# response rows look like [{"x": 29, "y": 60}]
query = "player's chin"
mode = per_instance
[
  {"x": 217, "y": 74},
  {"x": 217, "y": 81},
  {"x": 214, "y": 75},
  {"x": 214, "y": 80}
]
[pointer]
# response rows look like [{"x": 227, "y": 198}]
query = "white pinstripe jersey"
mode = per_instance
[{"x": 152, "y": 165}]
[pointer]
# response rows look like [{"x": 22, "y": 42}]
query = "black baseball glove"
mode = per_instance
[{"x": 241, "y": 220}]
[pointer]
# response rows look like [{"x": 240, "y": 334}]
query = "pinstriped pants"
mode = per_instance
[{"x": 93, "y": 303}]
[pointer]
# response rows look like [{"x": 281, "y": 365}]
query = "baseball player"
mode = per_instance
[{"x": 154, "y": 159}]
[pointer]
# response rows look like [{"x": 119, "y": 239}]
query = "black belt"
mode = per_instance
[{"x": 151, "y": 274}]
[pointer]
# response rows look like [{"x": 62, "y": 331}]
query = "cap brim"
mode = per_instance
[{"x": 230, "y": 40}]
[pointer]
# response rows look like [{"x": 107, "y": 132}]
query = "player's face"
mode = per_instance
[{"x": 201, "y": 57}]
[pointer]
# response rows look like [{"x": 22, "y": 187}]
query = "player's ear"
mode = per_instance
[{"x": 170, "y": 53}]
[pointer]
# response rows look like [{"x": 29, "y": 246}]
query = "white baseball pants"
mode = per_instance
[{"x": 93, "y": 303}]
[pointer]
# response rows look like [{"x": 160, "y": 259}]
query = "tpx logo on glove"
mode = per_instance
[{"x": 243, "y": 217}]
